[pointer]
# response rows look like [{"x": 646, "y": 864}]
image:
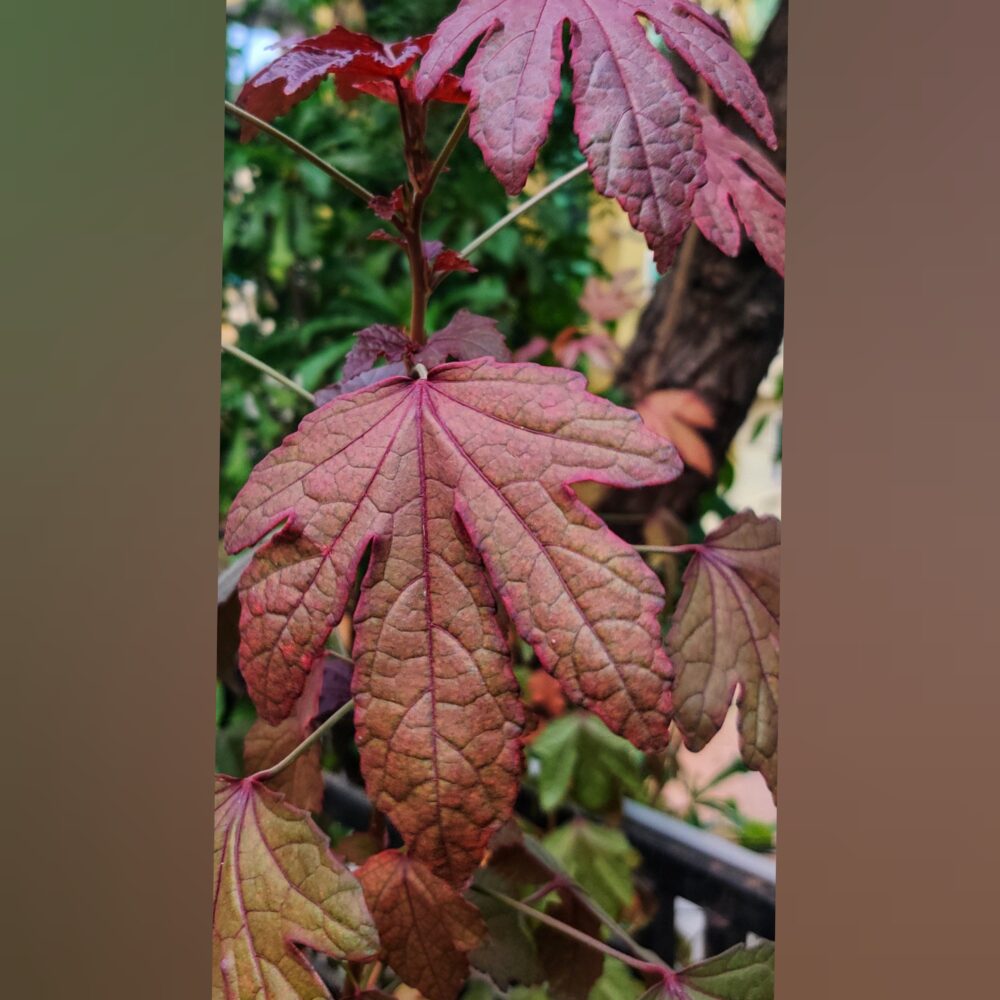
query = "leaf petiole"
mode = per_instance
[
  {"x": 449, "y": 147},
  {"x": 307, "y": 154},
  {"x": 268, "y": 370},
  {"x": 641, "y": 965},
  {"x": 525, "y": 206},
  {"x": 304, "y": 745}
]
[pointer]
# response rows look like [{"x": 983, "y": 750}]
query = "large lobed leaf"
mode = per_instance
[
  {"x": 277, "y": 886},
  {"x": 426, "y": 928},
  {"x": 637, "y": 124},
  {"x": 458, "y": 483},
  {"x": 725, "y": 633}
]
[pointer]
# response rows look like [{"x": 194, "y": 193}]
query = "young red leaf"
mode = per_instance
[
  {"x": 426, "y": 928},
  {"x": 725, "y": 633},
  {"x": 439, "y": 257},
  {"x": 362, "y": 381},
  {"x": 386, "y": 206},
  {"x": 448, "y": 91},
  {"x": 451, "y": 479},
  {"x": 298, "y": 71},
  {"x": 637, "y": 125},
  {"x": 277, "y": 886},
  {"x": 465, "y": 338},
  {"x": 444, "y": 260},
  {"x": 265, "y": 744},
  {"x": 372, "y": 343},
  {"x": 742, "y": 187}
]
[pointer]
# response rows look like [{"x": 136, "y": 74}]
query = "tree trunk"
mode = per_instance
[{"x": 714, "y": 324}]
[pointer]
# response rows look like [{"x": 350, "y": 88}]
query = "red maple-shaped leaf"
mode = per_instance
[
  {"x": 276, "y": 886},
  {"x": 725, "y": 633},
  {"x": 743, "y": 186},
  {"x": 636, "y": 123},
  {"x": 299, "y": 70},
  {"x": 426, "y": 928},
  {"x": 456, "y": 482}
]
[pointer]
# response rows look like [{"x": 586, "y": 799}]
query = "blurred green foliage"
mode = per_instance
[{"x": 299, "y": 273}]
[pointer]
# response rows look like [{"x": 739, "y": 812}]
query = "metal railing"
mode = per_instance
[{"x": 733, "y": 885}]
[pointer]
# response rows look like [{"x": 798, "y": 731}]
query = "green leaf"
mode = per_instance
[
  {"x": 316, "y": 371},
  {"x": 616, "y": 983},
  {"x": 580, "y": 757},
  {"x": 599, "y": 858},
  {"x": 740, "y": 973},
  {"x": 556, "y": 750}
]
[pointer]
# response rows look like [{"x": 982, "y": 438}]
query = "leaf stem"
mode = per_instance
[
  {"x": 641, "y": 965},
  {"x": 525, "y": 206},
  {"x": 268, "y": 370},
  {"x": 305, "y": 744},
  {"x": 674, "y": 550},
  {"x": 307, "y": 154},
  {"x": 449, "y": 147},
  {"x": 563, "y": 880}
]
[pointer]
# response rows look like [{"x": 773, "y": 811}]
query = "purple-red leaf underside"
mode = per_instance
[
  {"x": 459, "y": 484},
  {"x": 636, "y": 123},
  {"x": 744, "y": 187}
]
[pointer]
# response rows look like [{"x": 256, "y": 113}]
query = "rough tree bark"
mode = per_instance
[{"x": 714, "y": 323}]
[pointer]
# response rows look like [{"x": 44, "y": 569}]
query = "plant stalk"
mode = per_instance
[
  {"x": 525, "y": 206},
  {"x": 268, "y": 370},
  {"x": 673, "y": 550},
  {"x": 562, "y": 880},
  {"x": 305, "y": 744},
  {"x": 449, "y": 147},
  {"x": 307, "y": 154},
  {"x": 641, "y": 965}
]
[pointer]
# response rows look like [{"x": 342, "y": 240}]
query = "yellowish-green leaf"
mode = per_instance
[{"x": 278, "y": 886}]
